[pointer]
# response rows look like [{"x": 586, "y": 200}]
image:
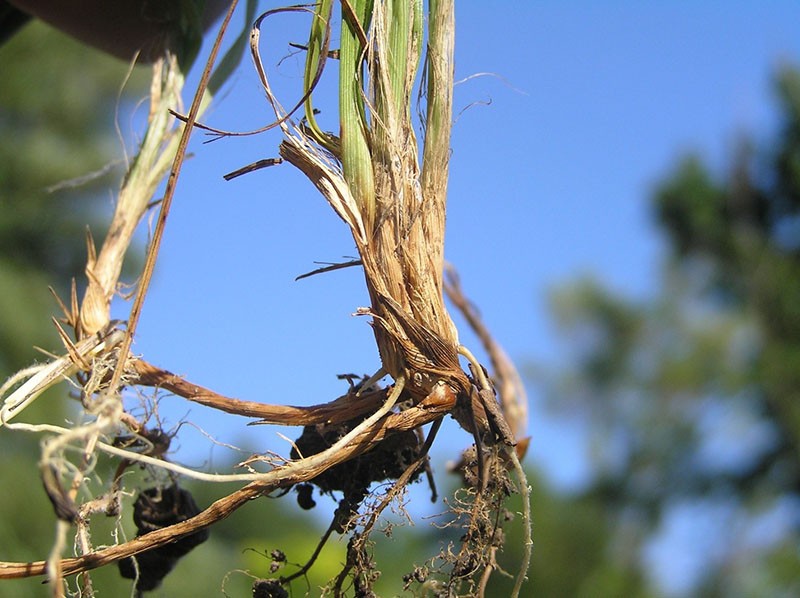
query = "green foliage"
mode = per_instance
[
  {"x": 56, "y": 125},
  {"x": 695, "y": 394}
]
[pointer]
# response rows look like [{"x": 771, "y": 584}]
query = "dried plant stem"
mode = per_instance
[
  {"x": 396, "y": 217},
  {"x": 344, "y": 408},
  {"x": 55, "y": 372},
  {"x": 353, "y": 443},
  {"x": 510, "y": 389},
  {"x": 347, "y": 407},
  {"x": 403, "y": 256},
  {"x": 166, "y": 203},
  {"x": 146, "y": 172}
]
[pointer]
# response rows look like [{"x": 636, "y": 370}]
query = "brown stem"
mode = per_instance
[
  {"x": 344, "y": 408},
  {"x": 507, "y": 380},
  {"x": 166, "y": 203},
  {"x": 437, "y": 404}
]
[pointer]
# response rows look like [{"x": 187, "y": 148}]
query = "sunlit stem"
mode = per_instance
[
  {"x": 355, "y": 157},
  {"x": 319, "y": 30}
]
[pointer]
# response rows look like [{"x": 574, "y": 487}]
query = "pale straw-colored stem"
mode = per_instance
[{"x": 146, "y": 172}]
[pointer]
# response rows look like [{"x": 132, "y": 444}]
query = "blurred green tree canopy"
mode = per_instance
[
  {"x": 57, "y": 129},
  {"x": 56, "y": 126},
  {"x": 693, "y": 396}
]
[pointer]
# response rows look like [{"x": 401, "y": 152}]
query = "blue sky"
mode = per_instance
[
  {"x": 583, "y": 110},
  {"x": 554, "y": 156}
]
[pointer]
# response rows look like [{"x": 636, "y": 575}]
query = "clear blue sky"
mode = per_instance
[{"x": 588, "y": 106}]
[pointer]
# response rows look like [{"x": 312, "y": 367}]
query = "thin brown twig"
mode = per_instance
[
  {"x": 257, "y": 165},
  {"x": 280, "y": 119},
  {"x": 330, "y": 268},
  {"x": 166, "y": 203},
  {"x": 373, "y": 430},
  {"x": 344, "y": 408},
  {"x": 509, "y": 384},
  {"x": 220, "y": 133}
]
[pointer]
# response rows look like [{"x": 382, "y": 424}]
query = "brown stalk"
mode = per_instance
[
  {"x": 401, "y": 247},
  {"x": 403, "y": 256},
  {"x": 280, "y": 477},
  {"x": 166, "y": 202},
  {"x": 346, "y": 407},
  {"x": 513, "y": 398}
]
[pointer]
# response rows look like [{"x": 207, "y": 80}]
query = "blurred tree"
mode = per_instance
[
  {"x": 694, "y": 397},
  {"x": 53, "y": 129},
  {"x": 573, "y": 552}
]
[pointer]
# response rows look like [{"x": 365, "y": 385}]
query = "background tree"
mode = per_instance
[
  {"x": 54, "y": 131},
  {"x": 46, "y": 203},
  {"x": 693, "y": 396}
]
